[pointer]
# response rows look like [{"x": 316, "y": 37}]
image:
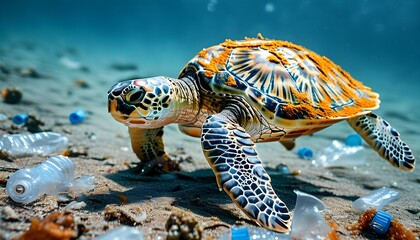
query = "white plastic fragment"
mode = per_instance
[
  {"x": 82, "y": 184},
  {"x": 376, "y": 199},
  {"x": 122, "y": 233},
  {"x": 337, "y": 154},
  {"x": 70, "y": 63},
  {"x": 75, "y": 205},
  {"x": 307, "y": 222},
  {"x": 28, "y": 144}
]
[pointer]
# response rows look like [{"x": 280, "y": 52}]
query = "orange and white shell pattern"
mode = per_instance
[{"x": 284, "y": 81}]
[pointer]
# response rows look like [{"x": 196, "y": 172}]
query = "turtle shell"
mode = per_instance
[{"x": 288, "y": 84}]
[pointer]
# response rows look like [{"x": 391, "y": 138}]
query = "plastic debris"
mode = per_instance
[
  {"x": 122, "y": 233},
  {"x": 53, "y": 176},
  {"x": 338, "y": 154},
  {"x": 77, "y": 116},
  {"x": 82, "y": 184},
  {"x": 49, "y": 177},
  {"x": 353, "y": 139},
  {"x": 70, "y": 63},
  {"x": 27, "y": 144},
  {"x": 75, "y": 205},
  {"x": 376, "y": 199},
  {"x": 364, "y": 225},
  {"x": 20, "y": 118},
  {"x": 240, "y": 233},
  {"x": 381, "y": 222},
  {"x": 307, "y": 221},
  {"x": 247, "y": 233},
  {"x": 305, "y": 153}
]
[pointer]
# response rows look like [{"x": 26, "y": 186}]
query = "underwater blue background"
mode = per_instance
[{"x": 376, "y": 41}]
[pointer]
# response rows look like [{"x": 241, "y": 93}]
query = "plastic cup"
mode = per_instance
[
  {"x": 77, "y": 116},
  {"x": 20, "y": 118}
]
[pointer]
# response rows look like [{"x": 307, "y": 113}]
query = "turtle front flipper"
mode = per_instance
[
  {"x": 148, "y": 146},
  {"x": 379, "y": 134},
  {"x": 235, "y": 162}
]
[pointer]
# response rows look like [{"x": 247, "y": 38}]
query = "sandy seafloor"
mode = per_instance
[{"x": 54, "y": 95}]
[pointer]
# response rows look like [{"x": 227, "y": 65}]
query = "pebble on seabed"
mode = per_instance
[
  {"x": 11, "y": 95},
  {"x": 7, "y": 213}
]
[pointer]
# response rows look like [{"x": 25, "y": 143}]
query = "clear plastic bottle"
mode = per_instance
[
  {"x": 376, "y": 199},
  {"x": 27, "y": 144},
  {"x": 338, "y": 154},
  {"x": 50, "y": 177}
]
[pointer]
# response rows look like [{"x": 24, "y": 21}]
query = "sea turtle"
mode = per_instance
[{"x": 239, "y": 93}]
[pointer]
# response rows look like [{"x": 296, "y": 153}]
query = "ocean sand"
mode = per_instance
[{"x": 73, "y": 76}]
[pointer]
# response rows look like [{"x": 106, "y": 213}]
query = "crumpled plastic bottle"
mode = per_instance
[
  {"x": 376, "y": 199},
  {"x": 53, "y": 176},
  {"x": 337, "y": 154},
  {"x": 28, "y": 144}
]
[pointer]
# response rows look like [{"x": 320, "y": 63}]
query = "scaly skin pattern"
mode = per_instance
[{"x": 239, "y": 93}]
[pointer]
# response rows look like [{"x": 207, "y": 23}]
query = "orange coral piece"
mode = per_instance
[{"x": 54, "y": 226}]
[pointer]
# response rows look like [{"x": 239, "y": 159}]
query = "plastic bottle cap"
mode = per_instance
[
  {"x": 77, "y": 116},
  {"x": 305, "y": 153},
  {"x": 241, "y": 233},
  {"x": 20, "y": 118},
  {"x": 353, "y": 140},
  {"x": 381, "y": 222}
]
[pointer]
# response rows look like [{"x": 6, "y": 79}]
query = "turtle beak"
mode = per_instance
[{"x": 121, "y": 112}]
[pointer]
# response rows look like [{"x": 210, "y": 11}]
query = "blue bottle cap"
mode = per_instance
[
  {"x": 240, "y": 233},
  {"x": 20, "y": 118},
  {"x": 353, "y": 140},
  {"x": 77, "y": 116},
  {"x": 381, "y": 222},
  {"x": 305, "y": 153}
]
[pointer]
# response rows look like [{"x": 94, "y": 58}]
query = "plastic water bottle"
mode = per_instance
[
  {"x": 27, "y": 144},
  {"x": 50, "y": 177},
  {"x": 376, "y": 199},
  {"x": 338, "y": 154}
]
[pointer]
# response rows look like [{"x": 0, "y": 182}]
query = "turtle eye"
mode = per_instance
[{"x": 135, "y": 95}]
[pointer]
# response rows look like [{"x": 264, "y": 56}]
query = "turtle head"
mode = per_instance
[{"x": 142, "y": 103}]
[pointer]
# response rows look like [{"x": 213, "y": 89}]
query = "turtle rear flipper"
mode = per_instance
[
  {"x": 384, "y": 139},
  {"x": 235, "y": 162}
]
